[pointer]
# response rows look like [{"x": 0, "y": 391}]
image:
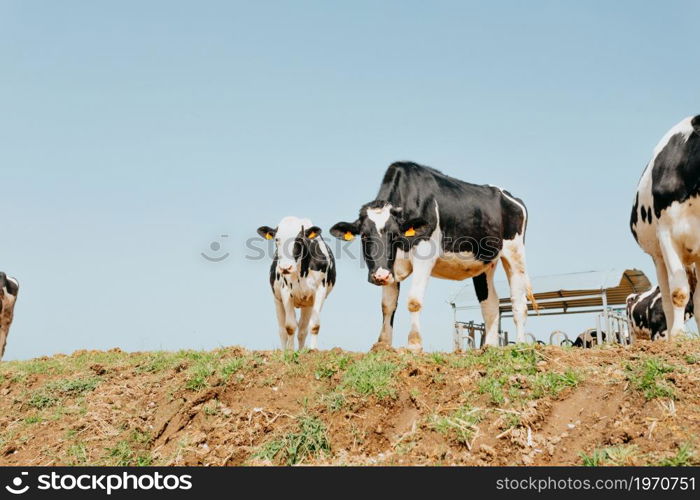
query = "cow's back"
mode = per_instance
[
  {"x": 668, "y": 189},
  {"x": 465, "y": 209}
]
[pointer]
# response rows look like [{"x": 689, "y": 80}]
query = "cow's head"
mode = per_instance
[
  {"x": 292, "y": 238},
  {"x": 383, "y": 229},
  {"x": 7, "y": 286}
]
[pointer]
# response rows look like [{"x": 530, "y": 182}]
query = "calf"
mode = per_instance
[
  {"x": 8, "y": 295},
  {"x": 646, "y": 316},
  {"x": 301, "y": 276},
  {"x": 426, "y": 223},
  {"x": 589, "y": 338},
  {"x": 665, "y": 218}
]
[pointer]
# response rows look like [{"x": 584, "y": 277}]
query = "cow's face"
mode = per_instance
[
  {"x": 292, "y": 238},
  {"x": 383, "y": 231}
]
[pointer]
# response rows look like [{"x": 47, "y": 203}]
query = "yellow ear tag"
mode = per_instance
[
  {"x": 410, "y": 232},
  {"x": 268, "y": 236},
  {"x": 311, "y": 236},
  {"x": 349, "y": 236}
]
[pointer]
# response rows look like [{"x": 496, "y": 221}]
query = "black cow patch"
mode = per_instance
[
  {"x": 646, "y": 314},
  {"x": 676, "y": 170}
]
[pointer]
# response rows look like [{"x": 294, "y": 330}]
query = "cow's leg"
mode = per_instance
[
  {"x": 513, "y": 258},
  {"x": 315, "y": 324},
  {"x": 677, "y": 285},
  {"x": 696, "y": 295},
  {"x": 488, "y": 300},
  {"x": 304, "y": 319},
  {"x": 290, "y": 320},
  {"x": 390, "y": 300},
  {"x": 423, "y": 262},
  {"x": 281, "y": 321},
  {"x": 662, "y": 279}
]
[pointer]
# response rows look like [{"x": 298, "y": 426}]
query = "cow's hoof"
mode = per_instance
[{"x": 381, "y": 347}]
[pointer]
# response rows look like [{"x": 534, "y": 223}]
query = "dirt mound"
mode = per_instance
[{"x": 510, "y": 406}]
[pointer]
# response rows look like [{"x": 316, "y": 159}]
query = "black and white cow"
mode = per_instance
[
  {"x": 665, "y": 217},
  {"x": 302, "y": 275},
  {"x": 8, "y": 295},
  {"x": 646, "y": 316},
  {"x": 426, "y": 223},
  {"x": 589, "y": 338}
]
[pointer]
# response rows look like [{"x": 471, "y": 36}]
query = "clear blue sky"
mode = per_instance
[{"x": 133, "y": 134}]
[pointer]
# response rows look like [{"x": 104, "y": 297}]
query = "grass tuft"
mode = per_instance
[
  {"x": 372, "y": 375},
  {"x": 459, "y": 425},
  {"x": 309, "y": 441},
  {"x": 649, "y": 377}
]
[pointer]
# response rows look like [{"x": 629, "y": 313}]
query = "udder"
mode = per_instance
[{"x": 458, "y": 266}]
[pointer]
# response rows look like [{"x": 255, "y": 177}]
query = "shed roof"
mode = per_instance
[{"x": 566, "y": 292}]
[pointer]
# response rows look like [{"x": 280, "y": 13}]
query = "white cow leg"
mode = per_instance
[
  {"x": 514, "y": 265},
  {"x": 423, "y": 261},
  {"x": 290, "y": 319},
  {"x": 677, "y": 284},
  {"x": 489, "y": 308},
  {"x": 390, "y": 300},
  {"x": 304, "y": 319},
  {"x": 281, "y": 321},
  {"x": 315, "y": 324}
]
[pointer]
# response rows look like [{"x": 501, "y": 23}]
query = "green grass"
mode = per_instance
[
  {"x": 372, "y": 375},
  {"x": 649, "y": 377},
  {"x": 331, "y": 364},
  {"x": 121, "y": 455},
  {"x": 309, "y": 441},
  {"x": 231, "y": 367},
  {"x": 614, "y": 455},
  {"x": 684, "y": 457},
  {"x": 551, "y": 383},
  {"x": 78, "y": 454},
  {"x": 511, "y": 376},
  {"x": 334, "y": 401},
  {"x": 494, "y": 388},
  {"x": 33, "y": 419},
  {"x": 437, "y": 358},
  {"x": 54, "y": 392},
  {"x": 459, "y": 425}
]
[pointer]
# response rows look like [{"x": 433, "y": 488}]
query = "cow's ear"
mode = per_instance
[
  {"x": 312, "y": 232},
  {"x": 267, "y": 232},
  {"x": 345, "y": 230},
  {"x": 414, "y": 227}
]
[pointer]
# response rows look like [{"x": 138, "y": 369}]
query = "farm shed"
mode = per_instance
[{"x": 574, "y": 293}]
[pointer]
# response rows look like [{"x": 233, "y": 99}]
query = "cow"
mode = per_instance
[
  {"x": 588, "y": 339},
  {"x": 646, "y": 316},
  {"x": 426, "y": 223},
  {"x": 665, "y": 218},
  {"x": 301, "y": 277},
  {"x": 8, "y": 296}
]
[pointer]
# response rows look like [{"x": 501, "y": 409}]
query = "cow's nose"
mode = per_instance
[
  {"x": 381, "y": 277},
  {"x": 286, "y": 269}
]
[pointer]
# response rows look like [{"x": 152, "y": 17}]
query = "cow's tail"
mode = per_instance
[{"x": 531, "y": 297}]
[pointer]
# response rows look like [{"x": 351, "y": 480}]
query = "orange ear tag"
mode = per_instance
[
  {"x": 268, "y": 236},
  {"x": 311, "y": 236},
  {"x": 349, "y": 236},
  {"x": 410, "y": 232}
]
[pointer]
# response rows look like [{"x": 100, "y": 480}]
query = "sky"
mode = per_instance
[{"x": 133, "y": 135}]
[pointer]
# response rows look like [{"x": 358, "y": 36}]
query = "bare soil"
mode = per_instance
[{"x": 521, "y": 405}]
